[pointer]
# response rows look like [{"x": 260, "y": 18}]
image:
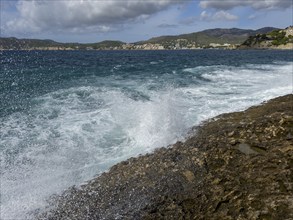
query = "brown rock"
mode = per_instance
[{"x": 189, "y": 175}]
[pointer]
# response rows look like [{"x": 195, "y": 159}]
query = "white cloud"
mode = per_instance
[
  {"x": 256, "y": 4},
  {"x": 218, "y": 16},
  {"x": 251, "y": 17},
  {"x": 78, "y": 15}
]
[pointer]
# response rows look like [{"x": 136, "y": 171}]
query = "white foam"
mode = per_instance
[{"x": 71, "y": 135}]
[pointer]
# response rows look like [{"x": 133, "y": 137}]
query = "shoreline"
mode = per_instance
[
  {"x": 195, "y": 49},
  {"x": 236, "y": 165}
]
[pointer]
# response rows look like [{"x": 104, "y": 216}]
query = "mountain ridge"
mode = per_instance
[{"x": 215, "y": 32}]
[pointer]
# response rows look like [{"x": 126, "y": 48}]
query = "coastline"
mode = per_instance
[
  {"x": 282, "y": 47},
  {"x": 237, "y": 165}
]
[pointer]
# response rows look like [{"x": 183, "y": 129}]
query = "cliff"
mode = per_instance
[{"x": 235, "y": 166}]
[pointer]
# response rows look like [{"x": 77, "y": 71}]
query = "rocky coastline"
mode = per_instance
[
  {"x": 235, "y": 166},
  {"x": 275, "y": 40}
]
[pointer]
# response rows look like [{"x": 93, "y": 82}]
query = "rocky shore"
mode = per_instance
[
  {"x": 234, "y": 166},
  {"x": 275, "y": 40}
]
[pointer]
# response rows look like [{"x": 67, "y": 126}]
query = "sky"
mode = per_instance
[{"x": 88, "y": 21}]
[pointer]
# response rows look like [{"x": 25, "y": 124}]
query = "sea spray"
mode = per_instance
[{"x": 63, "y": 123}]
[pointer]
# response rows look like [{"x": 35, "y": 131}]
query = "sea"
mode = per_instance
[{"x": 68, "y": 116}]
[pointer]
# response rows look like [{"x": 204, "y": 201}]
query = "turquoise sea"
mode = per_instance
[{"x": 67, "y": 116}]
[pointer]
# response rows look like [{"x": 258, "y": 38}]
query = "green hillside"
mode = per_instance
[
  {"x": 218, "y": 35},
  {"x": 106, "y": 44},
  {"x": 13, "y": 43},
  {"x": 273, "y": 39}
]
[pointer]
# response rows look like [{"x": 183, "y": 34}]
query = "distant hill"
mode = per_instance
[
  {"x": 14, "y": 43},
  {"x": 109, "y": 43},
  {"x": 17, "y": 44},
  {"x": 218, "y": 36},
  {"x": 193, "y": 40},
  {"x": 22, "y": 44}
]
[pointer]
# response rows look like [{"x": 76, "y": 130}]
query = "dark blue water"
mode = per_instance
[
  {"x": 66, "y": 116},
  {"x": 25, "y": 75}
]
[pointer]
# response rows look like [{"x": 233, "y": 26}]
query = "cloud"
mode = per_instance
[
  {"x": 256, "y": 4},
  {"x": 189, "y": 20},
  {"x": 218, "y": 16},
  {"x": 167, "y": 26},
  {"x": 73, "y": 15},
  {"x": 252, "y": 17}
]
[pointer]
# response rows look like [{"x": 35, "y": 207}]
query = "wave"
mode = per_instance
[{"x": 70, "y": 135}]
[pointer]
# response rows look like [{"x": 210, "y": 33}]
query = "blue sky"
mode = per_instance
[{"x": 134, "y": 20}]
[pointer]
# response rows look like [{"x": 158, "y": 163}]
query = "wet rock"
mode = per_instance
[{"x": 235, "y": 166}]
